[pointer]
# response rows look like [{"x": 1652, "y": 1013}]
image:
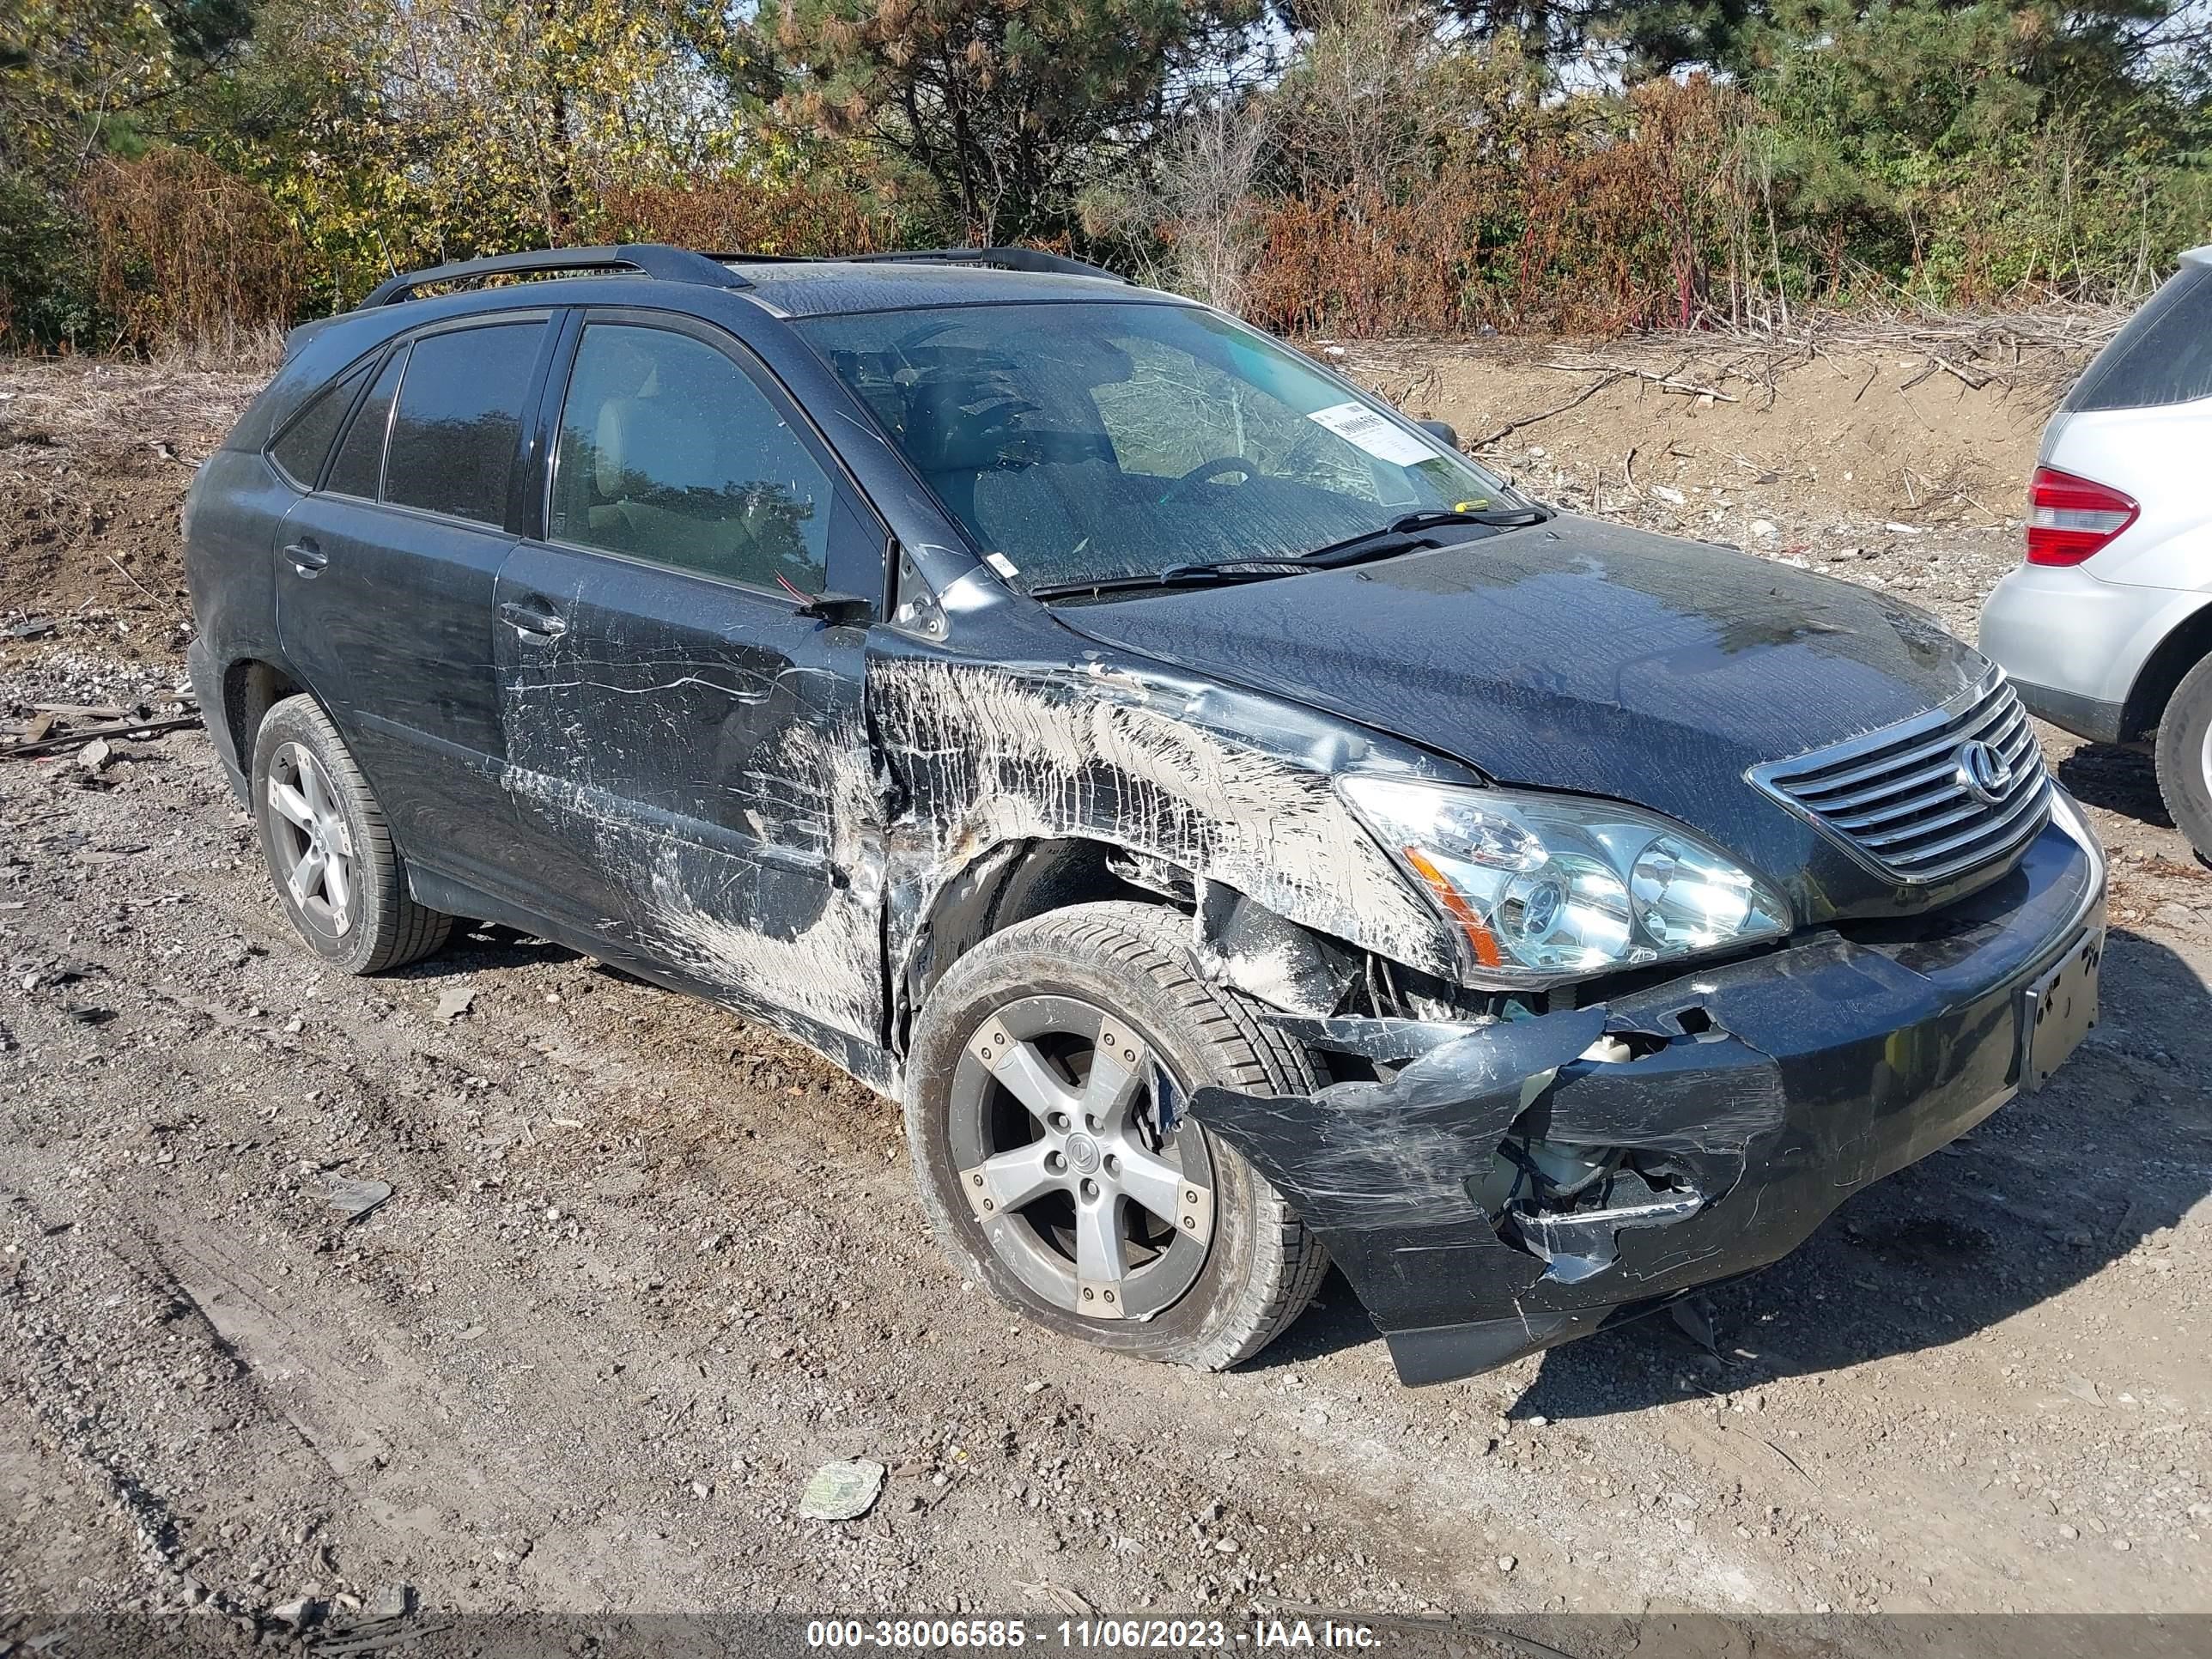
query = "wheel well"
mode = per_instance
[
  {"x": 249, "y": 689},
  {"x": 1265, "y": 955},
  {"x": 2177, "y": 654},
  {"x": 1008, "y": 884}
]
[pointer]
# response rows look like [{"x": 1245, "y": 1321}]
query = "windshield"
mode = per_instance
[{"x": 1096, "y": 441}]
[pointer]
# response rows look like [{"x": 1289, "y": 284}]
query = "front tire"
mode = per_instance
[
  {"x": 328, "y": 850},
  {"x": 1041, "y": 1065},
  {"x": 2185, "y": 757}
]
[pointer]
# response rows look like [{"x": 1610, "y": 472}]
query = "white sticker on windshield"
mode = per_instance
[
  {"x": 999, "y": 562},
  {"x": 1357, "y": 424}
]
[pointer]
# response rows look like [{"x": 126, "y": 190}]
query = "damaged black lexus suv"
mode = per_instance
[{"x": 1242, "y": 833}]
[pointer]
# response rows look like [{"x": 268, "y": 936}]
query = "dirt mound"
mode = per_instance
[
  {"x": 1897, "y": 424},
  {"x": 95, "y": 461}
]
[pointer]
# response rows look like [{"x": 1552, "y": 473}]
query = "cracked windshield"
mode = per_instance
[{"x": 1092, "y": 442}]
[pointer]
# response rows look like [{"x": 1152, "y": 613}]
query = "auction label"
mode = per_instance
[{"x": 1357, "y": 424}]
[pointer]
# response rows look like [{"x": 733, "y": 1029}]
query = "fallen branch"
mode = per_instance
[
  {"x": 1664, "y": 382},
  {"x": 1591, "y": 390},
  {"x": 63, "y": 741},
  {"x": 1970, "y": 377},
  {"x": 134, "y": 582}
]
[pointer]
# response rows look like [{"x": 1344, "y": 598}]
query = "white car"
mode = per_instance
[{"x": 2106, "y": 630}]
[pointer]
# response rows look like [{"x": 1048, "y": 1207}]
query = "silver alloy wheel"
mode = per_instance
[
  {"x": 2204, "y": 760},
  {"x": 1055, "y": 1130},
  {"x": 314, "y": 846}
]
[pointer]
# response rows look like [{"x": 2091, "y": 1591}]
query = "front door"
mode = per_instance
[
  {"x": 385, "y": 584},
  {"x": 686, "y": 751}
]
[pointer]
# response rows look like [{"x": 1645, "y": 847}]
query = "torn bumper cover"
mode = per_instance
[{"x": 1765, "y": 1091}]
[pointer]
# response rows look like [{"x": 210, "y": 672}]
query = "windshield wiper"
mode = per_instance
[
  {"x": 1396, "y": 537},
  {"x": 1404, "y": 532},
  {"x": 1179, "y": 576}
]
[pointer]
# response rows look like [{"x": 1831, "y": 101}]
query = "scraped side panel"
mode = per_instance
[
  {"x": 988, "y": 754},
  {"x": 694, "y": 787}
]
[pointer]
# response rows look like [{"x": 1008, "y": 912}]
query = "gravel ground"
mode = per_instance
[{"x": 643, "y": 1268}]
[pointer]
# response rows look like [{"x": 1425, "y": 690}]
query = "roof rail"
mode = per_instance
[
  {"x": 1002, "y": 258},
  {"x": 668, "y": 264},
  {"x": 743, "y": 257}
]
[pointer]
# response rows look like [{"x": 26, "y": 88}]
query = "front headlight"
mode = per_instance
[{"x": 1547, "y": 888}]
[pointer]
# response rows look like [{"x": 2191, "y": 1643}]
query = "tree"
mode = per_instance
[
  {"x": 1921, "y": 135},
  {"x": 80, "y": 80},
  {"x": 1007, "y": 107},
  {"x": 1644, "y": 38},
  {"x": 406, "y": 132},
  {"x": 1641, "y": 38}
]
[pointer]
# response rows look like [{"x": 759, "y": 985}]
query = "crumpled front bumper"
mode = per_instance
[{"x": 1784, "y": 1084}]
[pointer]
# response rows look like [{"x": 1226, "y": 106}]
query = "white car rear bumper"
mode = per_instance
[{"x": 2073, "y": 646}]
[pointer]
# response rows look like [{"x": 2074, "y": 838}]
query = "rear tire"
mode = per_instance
[
  {"x": 2185, "y": 757},
  {"x": 328, "y": 850},
  {"x": 1228, "y": 1268}
]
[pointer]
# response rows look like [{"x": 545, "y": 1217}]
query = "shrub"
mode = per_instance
[
  {"x": 183, "y": 252},
  {"x": 794, "y": 217},
  {"x": 1595, "y": 215}
]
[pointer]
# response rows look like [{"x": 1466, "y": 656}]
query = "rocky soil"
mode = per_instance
[{"x": 642, "y": 1268}]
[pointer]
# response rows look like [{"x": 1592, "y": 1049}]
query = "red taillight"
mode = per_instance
[{"x": 2070, "y": 518}]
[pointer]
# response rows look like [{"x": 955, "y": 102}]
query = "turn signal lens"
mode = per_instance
[
  {"x": 2069, "y": 518},
  {"x": 1479, "y": 938}
]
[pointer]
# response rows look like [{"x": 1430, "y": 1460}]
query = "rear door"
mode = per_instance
[
  {"x": 385, "y": 578},
  {"x": 686, "y": 750}
]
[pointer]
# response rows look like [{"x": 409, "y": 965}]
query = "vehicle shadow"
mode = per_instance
[
  {"x": 2117, "y": 778},
  {"x": 1334, "y": 1321},
  {"x": 481, "y": 946},
  {"x": 2044, "y": 1194}
]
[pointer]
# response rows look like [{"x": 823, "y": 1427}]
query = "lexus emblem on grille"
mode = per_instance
[{"x": 1982, "y": 772}]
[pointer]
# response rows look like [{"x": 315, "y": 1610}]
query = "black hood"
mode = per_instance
[{"x": 1586, "y": 656}]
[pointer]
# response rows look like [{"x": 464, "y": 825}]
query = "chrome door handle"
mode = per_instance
[
  {"x": 530, "y": 619},
  {"x": 306, "y": 558}
]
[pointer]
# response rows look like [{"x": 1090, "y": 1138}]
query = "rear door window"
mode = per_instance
[
  {"x": 459, "y": 420},
  {"x": 360, "y": 462},
  {"x": 299, "y": 454},
  {"x": 2163, "y": 355}
]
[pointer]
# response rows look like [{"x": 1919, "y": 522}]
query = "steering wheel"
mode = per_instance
[{"x": 1205, "y": 471}]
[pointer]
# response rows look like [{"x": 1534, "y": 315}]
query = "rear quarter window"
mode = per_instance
[
  {"x": 2163, "y": 355},
  {"x": 306, "y": 443}
]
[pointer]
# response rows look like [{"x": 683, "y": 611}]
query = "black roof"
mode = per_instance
[
  {"x": 813, "y": 287},
  {"x": 792, "y": 286}
]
